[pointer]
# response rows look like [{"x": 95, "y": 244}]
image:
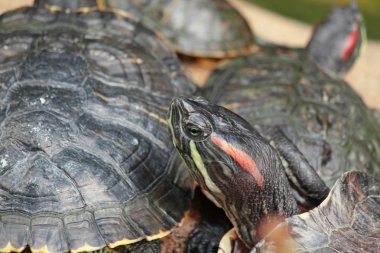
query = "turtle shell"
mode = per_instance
[
  {"x": 322, "y": 115},
  {"x": 348, "y": 220},
  {"x": 200, "y": 28},
  {"x": 85, "y": 156}
]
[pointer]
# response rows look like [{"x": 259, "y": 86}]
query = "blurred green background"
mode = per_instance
[{"x": 311, "y": 11}]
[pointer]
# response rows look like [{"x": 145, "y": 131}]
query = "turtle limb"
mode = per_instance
[
  {"x": 139, "y": 247},
  {"x": 310, "y": 190},
  {"x": 206, "y": 236},
  {"x": 143, "y": 247}
]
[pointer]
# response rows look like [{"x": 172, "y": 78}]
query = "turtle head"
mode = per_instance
[
  {"x": 213, "y": 141},
  {"x": 233, "y": 163},
  {"x": 338, "y": 41}
]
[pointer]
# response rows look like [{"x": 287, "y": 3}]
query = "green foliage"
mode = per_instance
[{"x": 313, "y": 11}]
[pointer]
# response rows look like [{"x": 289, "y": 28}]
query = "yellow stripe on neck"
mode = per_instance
[{"x": 202, "y": 169}]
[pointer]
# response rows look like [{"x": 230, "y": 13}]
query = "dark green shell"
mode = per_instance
[
  {"x": 85, "y": 155},
  {"x": 347, "y": 221},
  {"x": 322, "y": 115},
  {"x": 197, "y": 27}
]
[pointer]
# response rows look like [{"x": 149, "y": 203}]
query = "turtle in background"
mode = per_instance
[
  {"x": 85, "y": 155},
  {"x": 338, "y": 40},
  {"x": 198, "y": 28},
  {"x": 287, "y": 89},
  {"x": 246, "y": 175},
  {"x": 321, "y": 114},
  {"x": 204, "y": 32}
]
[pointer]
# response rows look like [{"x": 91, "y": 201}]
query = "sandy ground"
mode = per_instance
[{"x": 364, "y": 77}]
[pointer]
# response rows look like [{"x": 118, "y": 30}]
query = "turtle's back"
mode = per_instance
[
  {"x": 197, "y": 28},
  {"x": 85, "y": 157},
  {"x": 322, "y": 115}
]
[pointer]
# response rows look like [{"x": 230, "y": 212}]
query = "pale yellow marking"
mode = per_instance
[
  {"x": 136, "y": 60},
  {"x": 225, "y": 245},
  {"x": 159, "y": 235},
  {"x": 85, "y": 247},
  {"x": 10, "y": 248},
  {"x": 101, "y": 5},
  {"x": 304, "y": 216},
  {"x": 326, "y": 201},
  {"x": 119, "y": 12},
  {"x": 55, "y": 8},
  {"x": 124, "y": 242},
  {"x": 44, "y": 249},
  {"x": 232, "y": 105},
  {"x": 201, "y": 167},
  {"x": 100, "y": 95},
  {"x": 151, "y": 114},
  {"x": 161, "y": 120}
]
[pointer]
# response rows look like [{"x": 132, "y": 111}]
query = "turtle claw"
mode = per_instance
[{"x": 205, "y": 238}]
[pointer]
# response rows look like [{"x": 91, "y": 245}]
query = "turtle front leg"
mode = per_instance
[
  {"x": 308, "y": 188},
  {"x": 206, "y": 236},
  {"x": 138, "y": 247}
]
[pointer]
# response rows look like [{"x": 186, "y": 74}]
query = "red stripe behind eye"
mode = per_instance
[
  {"x": 350, "y": 44},
  {"x": 242, "y": 158}
]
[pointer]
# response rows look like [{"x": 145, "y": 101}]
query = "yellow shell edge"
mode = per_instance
[{"x": 9, "y": 248}]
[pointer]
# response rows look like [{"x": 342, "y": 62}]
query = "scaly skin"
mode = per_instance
[{"x": 237, "y": 167}]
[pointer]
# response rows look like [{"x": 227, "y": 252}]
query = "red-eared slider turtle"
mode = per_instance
[
  {"x": 200, "y": 28},
  {"x": 85, "y": 155},
  {"x": 245, "y": 175},
  {"x": 318, "y": 112}
]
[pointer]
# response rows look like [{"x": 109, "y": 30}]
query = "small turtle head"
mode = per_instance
[{"x": 339, "y": 40}]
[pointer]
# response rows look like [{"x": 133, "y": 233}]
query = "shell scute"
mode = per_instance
[
  {"x": 16, "y": 232},
  {"x": 48, "y": 232},
  {"x": 82, "y": 230},
  {"x": 84, "y": 147}
]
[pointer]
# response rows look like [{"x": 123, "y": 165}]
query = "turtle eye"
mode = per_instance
[
  {"x": 193, "y": 130},
  {"x": 196, "y": 127}
]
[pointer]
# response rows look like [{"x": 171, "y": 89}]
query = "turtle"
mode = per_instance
[
  {"x": 205, "y": 32},
  {"x": 198, "y": 28},
  {"x": 319, "y": 113},
  {"x": 48, "y": 52},
  {"x": 85, "y": 156},
  {"x": 244, "y": 173},
  {"x": 202, "y": 32}
]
